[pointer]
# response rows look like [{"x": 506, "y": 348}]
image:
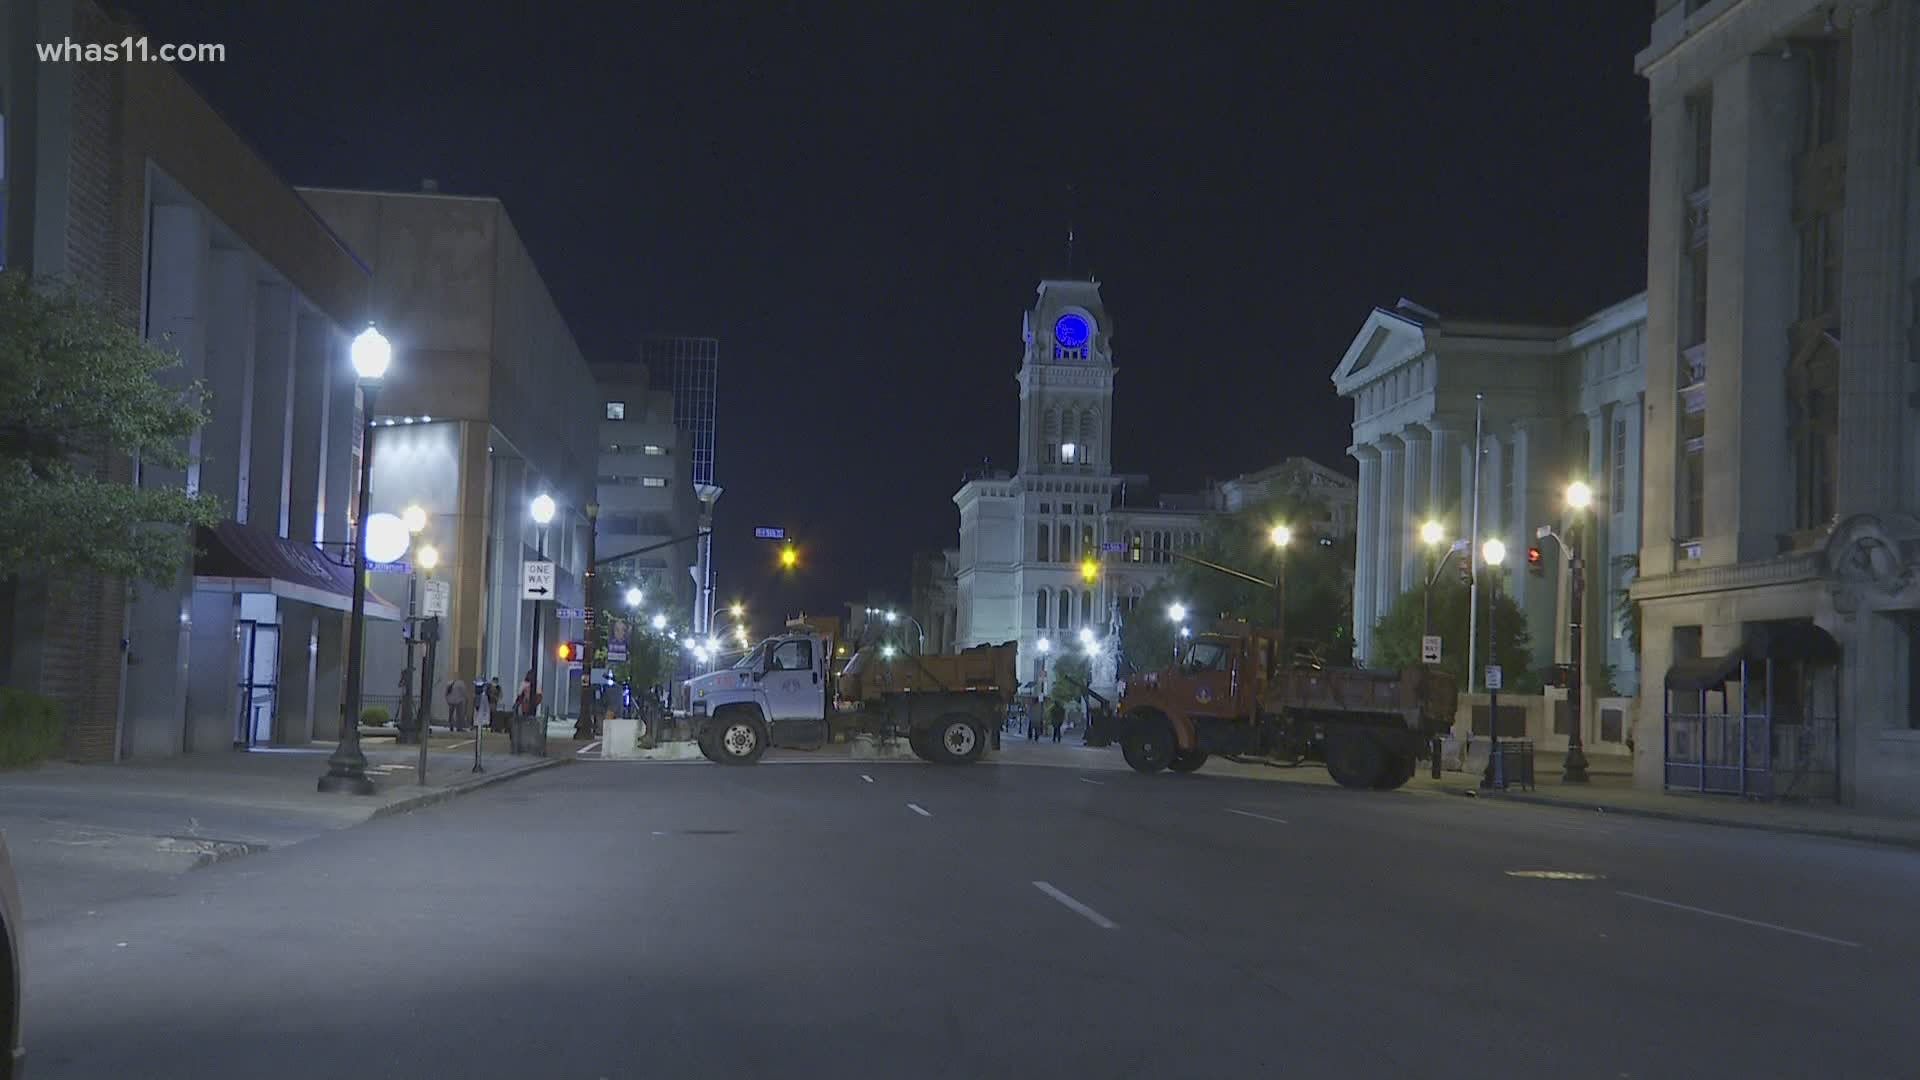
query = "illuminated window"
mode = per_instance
[
  {"x": 616, "y": 410},
  {"x": 654, "y": 481},
  {"x": 654, "y": 451}
]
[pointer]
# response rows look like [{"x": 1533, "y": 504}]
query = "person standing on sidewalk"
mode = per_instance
[
  {"x": 1059, "y": 721},
  {"x": 459, "y": 700}
]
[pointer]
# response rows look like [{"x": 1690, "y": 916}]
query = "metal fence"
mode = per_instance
[{"x": 1753, "y": 755}]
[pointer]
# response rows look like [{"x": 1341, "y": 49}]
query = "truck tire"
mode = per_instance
[
  {"x": 739, "y": 737},
  {"x": 922, "y": 743},
  {"x": 1355, "y": 759},
  {"x": 1148, "y": 750},
  {"x": 704, "y": 740},
  {"x": 957, "y": 739},
  {"x": 1400, "y": 769},
  {"x": 1187, "y": 760}
]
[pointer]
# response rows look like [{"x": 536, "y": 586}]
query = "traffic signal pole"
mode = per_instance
[{"x": 583, "y": 726}]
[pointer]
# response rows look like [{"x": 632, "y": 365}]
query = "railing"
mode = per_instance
[{"x": 1720, "y": 753}]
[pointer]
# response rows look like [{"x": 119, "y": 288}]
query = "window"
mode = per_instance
[
  {"x": 616, "y": 410},
  {"x": 654, "y": 482},
  {"x": 792, "y": 656},
  {"x": 1205, "y": 656},
  {"x": 1700, "y": 115},
  {"x": 1046, "y": 508},
  {"x": 1086, "y": 609},
  {"x": 1040, "y": 609},
  {"x": 1040, "y": 550},
  {"x": 1087, "y": 544},
  {"x": 1065, "y": 609},
  {"x": 1065, "y": 554},
  {"x": 620, "y": 524},
  {"x": 1133, "y": 546},
  {"x": 1618, "y": 485},
  {"x": 619, "y": 479},
  {"x": 1086, "y": 508},
  {"x": 654, "y": 451}
]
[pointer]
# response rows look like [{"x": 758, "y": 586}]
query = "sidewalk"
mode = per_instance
[{"x": 81, "y": 835}]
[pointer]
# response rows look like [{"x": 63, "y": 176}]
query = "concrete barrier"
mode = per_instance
[{"x": 870, "y": 748}]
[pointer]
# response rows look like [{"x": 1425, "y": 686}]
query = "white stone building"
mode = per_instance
[
  {"x": 1018, "y": 574},
  {"x": 1557, "y": 404},
  {"x": 1782, "y": 510},
  {"x": 1302, "y": 478}
]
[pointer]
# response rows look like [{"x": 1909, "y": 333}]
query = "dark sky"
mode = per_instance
[{"x": 859, "y": 206}]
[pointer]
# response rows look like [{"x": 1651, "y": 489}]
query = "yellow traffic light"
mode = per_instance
[
  {"x": 1089, "y": 570},
  {"x": 564, "y": 650},
  {"x": 789, "y": 557}
]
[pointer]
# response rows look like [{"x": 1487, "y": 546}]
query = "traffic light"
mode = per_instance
[
  {"x": 789, "y": 557},
  {"x": 1536, "y": 562},
  {"x": 571, "y": 652},
  {"x": 1089, "y": 570}
]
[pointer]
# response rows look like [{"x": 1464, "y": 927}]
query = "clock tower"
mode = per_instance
[{"x": 1066, "y": 382}]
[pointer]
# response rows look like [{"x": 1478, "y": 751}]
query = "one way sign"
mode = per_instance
[{"x": 536, "y": 581}]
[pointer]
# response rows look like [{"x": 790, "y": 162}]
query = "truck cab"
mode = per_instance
[{"x": 779, "y": 694}]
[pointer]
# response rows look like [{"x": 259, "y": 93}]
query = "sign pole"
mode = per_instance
[{"x": 583, "y": 727}]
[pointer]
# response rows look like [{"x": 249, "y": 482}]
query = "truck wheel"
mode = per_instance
[
  {"x": 922, "y": 743},
  {"x": 1400, "y": 769},
  {"x": 1355, "y": 759},
  {"x": 957, "y": 740},
  {"x": 704, "y": 741},
  {"x": 738, "y": 739},
  {"x": 1148, "y": 751},
  {"x": 1187, "y": 760}
]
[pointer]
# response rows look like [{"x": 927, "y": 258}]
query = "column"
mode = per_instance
[
  {"x": 464, "y": 631},
  {"x": 1873, "y": 401},
  {"x": 1443, "y": 456},
  {"x": 226, "y": 440},
  {"x": 1389, "y": 526},
  {"x": 1667, "y": 233},
  {"x": 1754, "y": 250},
  {"x": 160, "y": 619},
  {"x": 329, "y": 672},
  {"x": 1365, "y": 541},
  {"x": 316, "y": 361},
  {"x": 1596, "y": 616},
  {"x": 1416, "y": 505},
  {"x": 272, "y": 433}
]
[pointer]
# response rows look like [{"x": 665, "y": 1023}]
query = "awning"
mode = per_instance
[
  {"x": 240, "y": 558},
  {"x": 1788, "y": 639}
]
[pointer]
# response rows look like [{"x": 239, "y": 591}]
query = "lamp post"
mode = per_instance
[
  {"x": 1177, "y": 614},
  {"x": 1493, "y": 553},
  {"x": 542, "y": 512},
  {"x": 1431, "y": 534},
  {"x": 347, "y": 766},
  {"x": 583, "y": 727},
  {"x": 426, "y": 557},
  {"x": 1281, "y": 536},
  {"x": 892, "y": 616},
  {"x": 1579, "y": 499}
]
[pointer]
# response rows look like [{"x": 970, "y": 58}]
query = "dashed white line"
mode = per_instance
[
  {"x": 867, "y": 778},
  {"x": 918, "y": 809},
  {"x": 1738, "y": 919},
  {"x": 587, "y": 749},
  {"x": 1262, "y": 817},
  {"x": 1076, "y": 906},
  {"x": 1085, "y": 780}
]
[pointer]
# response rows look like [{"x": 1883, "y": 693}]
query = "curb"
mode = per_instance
[
  {"x": 430, "y": 798},
  {"x": 1654, "y": 813}
]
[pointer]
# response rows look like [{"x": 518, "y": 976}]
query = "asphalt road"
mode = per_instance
[{"x": 839, "y": 919}]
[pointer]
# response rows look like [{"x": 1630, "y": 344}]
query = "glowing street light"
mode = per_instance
[
  {"x": 1044, "y": 645},
  {"x": 635, "y": 596},
  {"x": 1579, "y": 495},
  {"x": 1432, "y": 533},
  {"x": 1281, "y": 536},
  {"x": 789, "y": 557},
  {"x": 738, "y": 610},
  {"x": 414, "y": 517},
  {"x": 387, "y": 537},
  {"x": 371, "y": 353},
  {"x": 1089, "y": 571},
  {"x": 427, "y": 556},
  {"x": 1177, "y": 612},
  {"x": 659, "y": 622},
  {"x": 542, "y": 509},
  {"x": 886, "y": 651},
  {"x": 1493, "y": 552}
]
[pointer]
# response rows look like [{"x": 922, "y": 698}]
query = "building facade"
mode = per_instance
[
  {"x": 1555, "y": 404},
  {"x": 1298, "y": 478},
  {"x": 489, "y": 403},
  {"x": 646, "y": 491},
  {"x": 1029, "y": 538},
  {"x": 690, "y": 366},
  {"x": 120, "y": 179},
  {"x": 1782, "y": 450}
]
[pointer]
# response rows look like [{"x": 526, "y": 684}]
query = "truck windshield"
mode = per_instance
[
  {"x": 752, "y": 659},
  {"x": 1206, "y": 656}
]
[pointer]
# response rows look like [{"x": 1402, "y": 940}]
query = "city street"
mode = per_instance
[{"x": 830, "y": 918}]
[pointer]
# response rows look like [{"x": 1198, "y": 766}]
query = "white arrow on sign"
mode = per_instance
[
  {"x": 536, "y": 580},
  {"x": 1430, "y": 649}
]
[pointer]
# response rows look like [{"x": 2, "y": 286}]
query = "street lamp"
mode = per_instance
[
  {"x": 659, "y": 622},
  {"x": 346, "y": 774},
  {"x": 887, "y": 650},
  {"x": 1493, "y": 553},
  {"x": 738, "y": 610},
  {"x": 381, "y": 537},
  {"x": 1177, "y": 612},
  {"x": 1281, "y": 536},
  {"x": 1043, "y": 646},
  {"x": 414, "y": 517},
  {"x": 1432, "y": 534},
  {"x": 1579, "y": 498},
  {"x": 635, "y": 596},
  {"x": 428, "y": 557},
  {"x": 541, "y": 510}
]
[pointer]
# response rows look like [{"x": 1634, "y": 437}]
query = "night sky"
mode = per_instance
[{"x": 860, "y": 206}]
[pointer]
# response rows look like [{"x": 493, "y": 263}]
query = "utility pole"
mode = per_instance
[
  {"x": 1473, "y": 549},
  {"x": 583, "y": 727}
]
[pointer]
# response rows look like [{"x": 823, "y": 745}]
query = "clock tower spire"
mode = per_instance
[{"x": 1066, "y": 380}]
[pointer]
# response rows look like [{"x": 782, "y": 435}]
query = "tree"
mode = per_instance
[
  {"x": 1397, "y": 636},
  {"x": 81, "y": 386},
  {"x": 1319, "y": 586},
  {"x": 1072, "y": 674}
]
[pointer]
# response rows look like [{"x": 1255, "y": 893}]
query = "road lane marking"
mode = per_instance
[
  {"x": 1076, "y": 906},
  {"x": 1738, "y": 919},
  {"x": 918, "y": 809},
  {"x": 587, "y": 749},
  {"x": 867, "y": 778},
  {"x": 1262, "y": 817},
  {"x": 1556, "y": 875},
  {"x": 1084, "y": 780}
]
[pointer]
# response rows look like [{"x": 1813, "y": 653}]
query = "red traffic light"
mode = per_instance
[{"x": 1536, "y": 561}]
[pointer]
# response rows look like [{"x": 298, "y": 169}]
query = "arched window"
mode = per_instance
[
  {"x": 1066, "y": 609},
  {"x": 1046, "y": 531},
  {"x": 1040, "y": 609}
]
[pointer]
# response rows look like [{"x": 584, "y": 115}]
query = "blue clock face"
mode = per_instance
[{"x": 1070, "y": 331}]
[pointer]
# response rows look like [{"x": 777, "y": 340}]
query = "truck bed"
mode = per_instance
[{"x": 985, "y": 669}]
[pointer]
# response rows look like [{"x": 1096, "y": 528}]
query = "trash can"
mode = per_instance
[{"x": 1512, "y": 767}]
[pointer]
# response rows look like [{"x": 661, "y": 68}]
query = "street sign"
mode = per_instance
[
  {"x": 765, "y": 533},
  {"x": 1493, "y": 676},
  {"x": 1430, "y": 649},
  {"x": 566, "y": 614},
  {"x": 399, "y": 566},
  {"x": 1114, "y": 547},
  {"x": 439, "y": 596},
  {"x": 616, "y": 653},
  {"x": 536, "y": 581}
]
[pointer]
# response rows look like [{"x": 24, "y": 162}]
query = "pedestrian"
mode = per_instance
[
  {"x": 493, "y": 705},
  {"x": 527, "y": 701},
  {"x": 459, "y": 700},
  {"x": 1056, "y": 713}
]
